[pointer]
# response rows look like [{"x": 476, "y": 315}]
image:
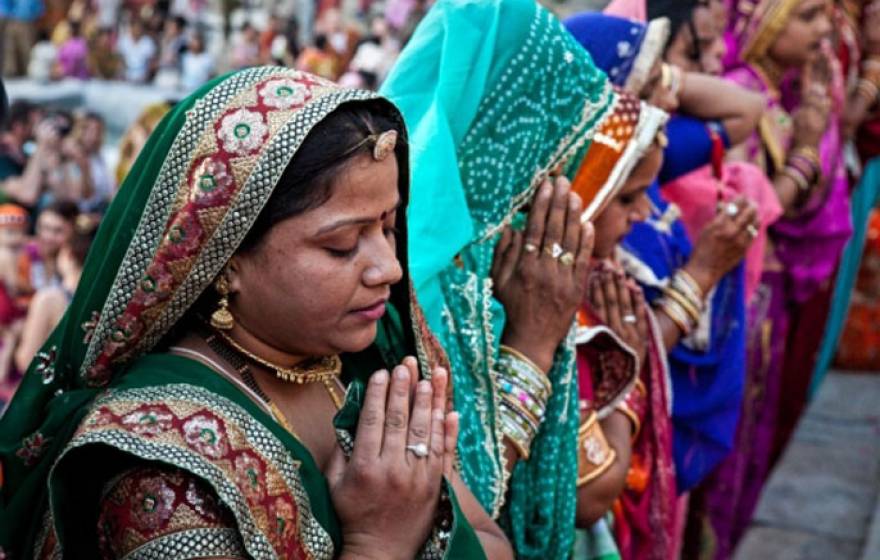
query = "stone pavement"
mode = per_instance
[{"x": 823, "y": 500}]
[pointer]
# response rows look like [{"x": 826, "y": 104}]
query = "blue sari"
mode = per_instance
[{"x": 707, "y": 370}]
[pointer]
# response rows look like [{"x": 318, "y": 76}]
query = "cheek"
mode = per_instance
[{"x": 610, "y": 226}]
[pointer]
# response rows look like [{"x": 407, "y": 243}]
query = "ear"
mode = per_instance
[{"x": 232, "y": 270}]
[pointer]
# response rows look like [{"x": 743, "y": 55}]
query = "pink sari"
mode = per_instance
[{"x": 697, "y": 193}]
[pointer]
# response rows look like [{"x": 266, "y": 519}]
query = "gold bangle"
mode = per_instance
[
  {"x": 688, "y": 306},
  {"x": 519, "y": 355},
  {"x": 676, "y": 314},
  {"x": 686, "y": 277},
  {"x": 595, "y": 455}
]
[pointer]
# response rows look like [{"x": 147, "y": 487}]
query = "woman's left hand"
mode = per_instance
[
  {"x": 620, "y": 303},
  {"x": 540, "y": 276}
]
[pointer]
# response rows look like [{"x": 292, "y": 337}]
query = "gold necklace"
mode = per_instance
[{"x": 325, "y": 370}]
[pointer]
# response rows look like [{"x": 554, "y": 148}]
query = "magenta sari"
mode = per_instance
[{"x": 786, "y": 313}]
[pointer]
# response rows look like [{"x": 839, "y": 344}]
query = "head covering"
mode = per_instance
[
  {"x": 13, "y": 215},
  {"x": 755, "y": 24},
  {"x": 679, "y": 12},
  {"x": 192, "y": 196},
  {"x": 620, "y": 143},
  {"x": 632, "y": 9},
  {"x": 624, "y": 49},
  {"x": 496, "y": 95}
]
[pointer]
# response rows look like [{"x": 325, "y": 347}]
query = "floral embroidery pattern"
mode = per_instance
[
  {"x": 32, "y": 449},
  {"x": 285, "y": 94},
  {"x": 243, "y": 131},
  {"x": 46, "y": 365},
  {"x": 170, "y": 426}
]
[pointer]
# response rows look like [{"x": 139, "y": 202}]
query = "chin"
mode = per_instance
[{"x": 357, "y": 340}]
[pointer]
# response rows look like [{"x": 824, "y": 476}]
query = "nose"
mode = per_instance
[
  {"x": 384, "y": 269},
  {"x": 823, "y": 26},
  {"x": 641, "y": 210}
]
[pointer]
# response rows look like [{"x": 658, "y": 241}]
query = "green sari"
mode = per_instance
[
  {"x": 100, "y": 396},
  {"x": 497, "y": 95}
]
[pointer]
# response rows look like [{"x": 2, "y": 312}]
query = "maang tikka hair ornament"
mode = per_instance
[{"x": 385, "y": 144}]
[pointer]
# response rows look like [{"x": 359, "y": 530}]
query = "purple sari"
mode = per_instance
[{"x": 803, "y": 256}]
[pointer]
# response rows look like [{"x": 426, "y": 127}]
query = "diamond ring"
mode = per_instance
[
  {"x": 420, "y": 450},
  {"x": 630, "y": 319},
  {"x": 555, "y": 251}
]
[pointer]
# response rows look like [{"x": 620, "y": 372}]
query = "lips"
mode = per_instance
[{"x": 372, "y": 312}]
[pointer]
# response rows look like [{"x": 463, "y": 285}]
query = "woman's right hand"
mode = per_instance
[
  {"x": 385, "y": 495},
  {"x": 723, "y": 243},
  {"x": 541, "y": 292},
  {"x": 811, "y": 118},
  {"x": 620, "y": 304}
]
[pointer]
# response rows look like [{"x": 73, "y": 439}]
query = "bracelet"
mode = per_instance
[
  {"x": 687, "y": 280},
  {"x": 517, "y": 430},
  {"x": 676, "y": 314},
  {"x": 516, "y": 367},
  {"x": 533, "y": 414},
  {"x": 796, "y": 175},
  {"x": 806, "y": 168},
  {"x": 809, "y": 153},
  {"x": 595, "y": 455},
  {"x": 689, "y": 307},
  {"x": 634, "y": 406}
]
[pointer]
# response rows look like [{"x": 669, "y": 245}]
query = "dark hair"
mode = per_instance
[
  {"x": 679, "y": 12},
  {"x": 64, "y": 208},
  {"x": 321, "y": 42},
  {"x": 307, "y": 181},
  {"x": 4, "y": 104},
  {"x": 20, "y": 112}
]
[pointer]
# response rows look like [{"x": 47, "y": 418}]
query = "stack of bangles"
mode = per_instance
[
  {"x": 671, "y": 78},
  {"x": 595, "y": 454},
  {"x": 682, "y": 301},
  {"x": 804, "y": 168},
  {"x": 524, "y": 391}
]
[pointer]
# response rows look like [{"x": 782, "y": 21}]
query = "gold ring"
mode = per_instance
[
  {"x": 530, "y": 248},
  {"x": 567, "y": 259},
  {"x": 752, "y": 231}
]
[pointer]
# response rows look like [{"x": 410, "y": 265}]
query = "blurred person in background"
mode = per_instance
[
  {"x": 319, "y": 59},
  {"x": 50, "y": 302},
  {"x": 16, "y": 130},
  {"x": 274, "y": 28},
  {"x": 13, "y": 234},
  {"x": 136, "y": 136},
  {"x": 246, "y": 47},
  {"x": 90, "y": 131},
  {"x": 38, "y": 261},
  {"x": 197, "y": 64},
  {"x": 43, "y": 55},
  {"x": 172, "y": 46},
  {"x": 72, "y": 60},
  {"x": 137, "y": 50},
  {"x": 17, "y": 33},
  {"x": 104, "y": 62}
]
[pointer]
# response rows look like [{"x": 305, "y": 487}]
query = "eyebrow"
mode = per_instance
[{"x": 357, "y": 221}]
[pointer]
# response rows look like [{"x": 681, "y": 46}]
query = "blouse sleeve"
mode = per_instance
[
  {"x": 163, "y": 512},
  {"x": 690, "y": 146}
]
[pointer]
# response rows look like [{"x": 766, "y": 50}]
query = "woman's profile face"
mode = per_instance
[
  {"x": 316, "y": 284},
  {"x": 808, "y": 25},
  {"x": 631, "y": 205}
]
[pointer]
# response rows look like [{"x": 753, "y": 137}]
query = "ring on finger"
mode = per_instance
[
  {"x": 530, "y": 248},
  {"x": 420, "y": 450},
  {"x": 567, "y": 259},
  {"x": 630, "y": 319},
  {"x": 731, "y": 209},
  {"x": 752, "y": 231},
  {"x": 555, "y": 251}
]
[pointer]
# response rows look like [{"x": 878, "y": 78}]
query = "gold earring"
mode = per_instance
[{"x": 222, "y": 318}]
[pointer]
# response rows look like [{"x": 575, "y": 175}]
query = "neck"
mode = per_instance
[
  {"x": 71, "y": 280},
  {"x": 770, "y": 72},
  {"x": 252, "y": 343}
]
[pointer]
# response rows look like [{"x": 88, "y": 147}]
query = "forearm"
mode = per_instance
[
  {"x": 711, "y": 98},
  {"x": 596, "y": 497},
  {"x": 26, "y": 189}
]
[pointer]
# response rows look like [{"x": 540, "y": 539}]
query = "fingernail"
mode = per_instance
[
  {"x": 401, "y": 373},
  {"x": 380, "y": 376},
  {"x": 424, "y": 387},
  {"x": 546, "y": 189},
  {"x": 440, "y": 372},
  {"x": 437, "y": 414}
]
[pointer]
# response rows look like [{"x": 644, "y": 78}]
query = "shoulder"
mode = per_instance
[{"x": 165, "y": 510}]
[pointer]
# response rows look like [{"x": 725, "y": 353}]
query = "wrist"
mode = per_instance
[
  {"x": 535, "y": 351},
  {"x": 703, "y": 277},
  {"x": 359, "y": 546}
]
